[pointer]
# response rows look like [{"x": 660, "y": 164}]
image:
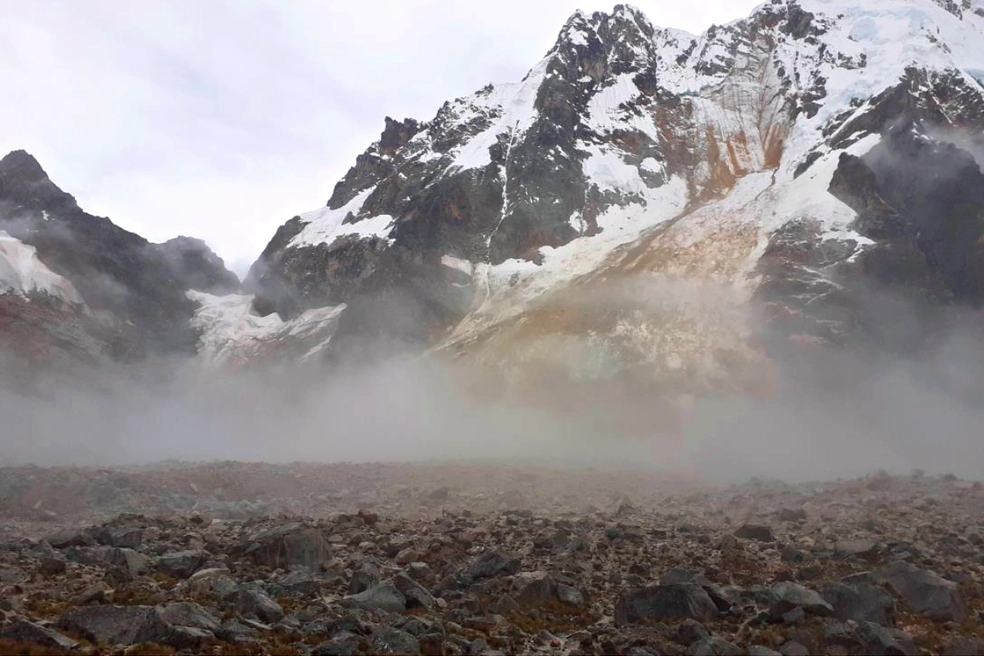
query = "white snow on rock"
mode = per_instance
[
  {"x": 609, "y": 171},
  {"x": 22, "y": 273},
  {"x": 232, "y": 332},
  {"x": 325, "y": 225}
]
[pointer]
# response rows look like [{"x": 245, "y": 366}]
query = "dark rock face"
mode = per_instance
[
  {"x": 138, "y": 287},
  {"x": 919, "y": 195}
]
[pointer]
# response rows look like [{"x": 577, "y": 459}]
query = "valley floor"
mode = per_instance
[{"x": 471, "y": 558}]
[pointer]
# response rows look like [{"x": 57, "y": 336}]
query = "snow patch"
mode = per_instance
[
  {"x": 231, "y": 330},
  {"x": 22, "y": 273},
  {"x": 325, "y": 225}
]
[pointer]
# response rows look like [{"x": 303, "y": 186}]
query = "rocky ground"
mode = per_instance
[{"x": 231, "y": 558}]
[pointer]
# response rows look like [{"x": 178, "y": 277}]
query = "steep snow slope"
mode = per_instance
[
  {"x": 636, "y": 163},
  {"x": 21, "y": 272}
]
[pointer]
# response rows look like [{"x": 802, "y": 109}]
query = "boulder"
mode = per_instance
[
  {"x": 24, "y": 631},
  {"x": 385, "y": 597},
  {"x": 664, "y": 602},
  {"x": 882, "y": 641},
  {"x": 492, "y": 564},
  {"x": 790, "y": 596},
  {"x": 927, "y": 593},
  {"x": 857, "y": 599},
  {"x": 116, "y": 625},
  {"x": 393, "y": 641},
  {"x": 416, "y": 595},
  {"x": 186, "y": 613},
  {"x": 366, "y": 577},
  {"x": 257, "y": 603},
  {"x": 757, "y": 532},
  {"x": 290, "y": 546},
  {"x": 182, "y": 564},
  {"x": 714, "y": 646}
]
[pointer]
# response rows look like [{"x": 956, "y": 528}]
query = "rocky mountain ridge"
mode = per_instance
[{"x": 75, "y": 289}]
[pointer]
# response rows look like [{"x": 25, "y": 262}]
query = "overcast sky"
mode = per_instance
[{"x": 221, "y": 119}]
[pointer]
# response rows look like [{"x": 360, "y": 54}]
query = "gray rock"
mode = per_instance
[
  {"x": 366, "y": 577},
  {"x": 416, "y": 595},
  {"x": 116, "y": 625},
  {"x": 570, "y": 595},
  {"x": 882, "y": 641},
  {"x": 384, "y": 597},
  {"x": 394, "y": 641},
  {"x": 51, "y": 565},
  {"x": 301, "y": 582},
  {"x": 70, "y": 538},
  {"x": 289, "y": 546},
  {"x": 860, "y": 601},
  {"x": 186, "y": 637},
  {"x": 850, "y": 548},
  {"x": 926, "y": 592},
  {"x": 793, "y": 648},
  {"x": 714, "y": 646},
  {"x": 133, "y": 562},
  {"x": 182, "y": 564},
  {"x": 789, "y": 595},
  {"x": 120, "y": 536},
  {"x": 257, "y": 603},
  {"x": 792, "y": 515},
  {"x": 24, "y": 631},
  {"x": 342, "y": 644},
  {"x": 235, "y": 631},
  {"x": 186, "y": 613},
  {"x": 690, "y": 631},
  {"x": 492, "y": 564},
  {"x": 757, "y": 532},
  {"x": 213, "y": 581},
  {"x": 534, "y": 588},
  {"x": 664, "y": 602},
  {"x": 759, "y": 650},
  {"x": 964, "y": 647}
]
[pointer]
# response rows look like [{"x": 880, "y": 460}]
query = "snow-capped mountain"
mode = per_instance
[
  {"x": 77, "y": 290},
  {"x": 621, "y": 210}
]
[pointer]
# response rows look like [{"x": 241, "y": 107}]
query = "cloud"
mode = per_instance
[{"x": 223, "y": 119}]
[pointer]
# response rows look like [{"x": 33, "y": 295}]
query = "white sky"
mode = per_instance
[{"x": 221, "y": 119}]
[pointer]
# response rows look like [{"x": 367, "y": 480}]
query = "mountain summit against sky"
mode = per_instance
[
  {"x": 76, "y": 288},
  {"x": 644, "y": 205}
]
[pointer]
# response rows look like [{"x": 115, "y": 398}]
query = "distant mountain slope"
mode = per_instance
[{"x": 76, "y": 287}]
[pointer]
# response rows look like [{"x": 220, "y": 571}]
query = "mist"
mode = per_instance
[{"x": 830, "y": 414}]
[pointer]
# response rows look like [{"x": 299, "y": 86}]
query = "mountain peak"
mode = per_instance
[
  {"x": 23, "y": 181},
  {"x": 23, "y": 165}
]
